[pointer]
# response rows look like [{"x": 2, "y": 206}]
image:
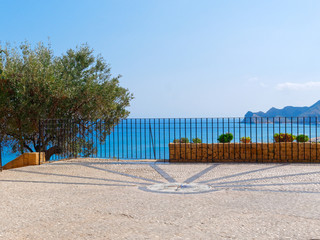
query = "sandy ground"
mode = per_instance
[{"x": 102, "y": 199}]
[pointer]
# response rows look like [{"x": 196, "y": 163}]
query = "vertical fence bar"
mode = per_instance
[
  {"x": 1, "y": 154},
  {"x": 154, "y": 153},
  {"x": 223, "y": 141},
  {"x": 245, "y": 142},
  {"x": 140, "y": 140},
  {"x": 100, "y": 137},
  {"x": 212, "y": 138},
  {"x": 109, "y": 150},
  {"x": 127, "y": 139},
  {"x": 207, "y": 140},
  {"x": 285, "y": 130},
  {"x": 256, "y": 139},
  {"x": 234, "y": 140},
  {"x": 40, "y": 145},
  {"x": 274, "y": 145},
  {"x": 196, "y": 137},
  {"x": 251, "y": 158},
  {"x": 262, "y": 120},
  {"x": 218, "y": 155},
  {"x": 201, "y": 129},
  {"x": 180, "y": 139},
  {"x": 310, "y": 137},
  {"x": 292, "y": 141},
  {"x": 122, "y": 139},
  {"x": 268, "y": 155},
  {"x": 298, "y": 144},
  {"x": 164, "y": 137},
  {"x": 95, "y": 130},
  {"x": 240, "y": 157},
  {"x": 154, "y": 144},
  {"x": 136, "y": 137},
  {"x": 229, "y": 155},
  {"x": 185, "y": 134},
  {"x": 316, "y": 139},
  {"x": 191, "y": 138},
  {"x": 118, "y": 139},
  {"x": 279, "y": 139},
  {"x": 159, "y": 139},
  {"x": 131, "y": 138},
  {"x": 105, "y": 132},
  {"x": 304, "y": 144},
  {"x": 145, "y": 139},
  {"x": 169, "y": 136}
]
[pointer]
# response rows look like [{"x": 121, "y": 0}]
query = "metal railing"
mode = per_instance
[{"x": 151, "y": 138}]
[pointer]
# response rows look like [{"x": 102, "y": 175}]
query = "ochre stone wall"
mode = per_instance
[
  {"x": 245, "y": 152},
  {"x": 25, "y": 159}
]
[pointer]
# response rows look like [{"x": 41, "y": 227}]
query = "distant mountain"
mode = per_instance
[{"x": 298, "y": 114}]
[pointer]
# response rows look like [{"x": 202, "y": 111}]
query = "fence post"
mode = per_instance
[{"x": 40, "y": 142}]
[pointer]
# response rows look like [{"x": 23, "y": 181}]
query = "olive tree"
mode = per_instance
[{"x": 37, "y": 85}]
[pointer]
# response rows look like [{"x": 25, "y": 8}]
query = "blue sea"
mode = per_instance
[{"x": 150, "y": 138}]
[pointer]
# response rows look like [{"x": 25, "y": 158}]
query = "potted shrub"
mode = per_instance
[
  {"x": 284, "y": 137},
  {"x": 302, "y": 138},
  {"x": 181, "y": 140},
  {"x": 245, "y": 140},
  {"x": 225, "y": 138},
  {"x": 196, "y": 140}
]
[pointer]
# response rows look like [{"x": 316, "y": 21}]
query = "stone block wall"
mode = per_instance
[
  {"x": 245, "y": 152},
  {"x": 26, "y": 159}
]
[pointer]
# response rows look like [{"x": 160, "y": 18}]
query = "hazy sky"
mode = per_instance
[{"x": 187, "y": 58}]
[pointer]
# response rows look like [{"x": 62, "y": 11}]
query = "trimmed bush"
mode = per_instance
[
  {"x": 284, "y": 137},
  {"x": 181, "y": 140},
  {"x": 225, "y": 138},
  {"x": 196, "y": 140},
  {"x": 245, "y": 140},
  {"x": 302, "y": 138}
]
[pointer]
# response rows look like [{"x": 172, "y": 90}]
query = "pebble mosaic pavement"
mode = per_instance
[{"x": 107, "y": 199}]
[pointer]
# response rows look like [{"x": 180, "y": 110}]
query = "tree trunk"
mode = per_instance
[{"x": 51, "y": 151}]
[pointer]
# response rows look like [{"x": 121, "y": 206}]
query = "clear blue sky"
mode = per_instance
[{"x": 187, "y": 58}]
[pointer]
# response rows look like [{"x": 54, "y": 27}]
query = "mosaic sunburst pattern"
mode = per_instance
[{"x": 162, "y": 177}]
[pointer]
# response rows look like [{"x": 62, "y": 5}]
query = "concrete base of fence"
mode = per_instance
[
  {"x": 25, "y": 159},
  {"x": 245, "y": 152}
]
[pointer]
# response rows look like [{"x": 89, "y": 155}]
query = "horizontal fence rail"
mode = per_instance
[{"x": 184, "y": 139}]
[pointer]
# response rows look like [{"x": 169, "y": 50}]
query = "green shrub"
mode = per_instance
[
  {"x": 284, "y": 137},
  {"x": 302, "y": 138},
  {"x": 196, "y": 140},
  {"x": 245, "y": 140},
  {"x": 181, "y": 140},
  {"x": 225, "y": 138}
]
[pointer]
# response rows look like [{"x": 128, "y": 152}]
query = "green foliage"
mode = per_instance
[
  {"x": 181, "y": 140},
  {"x": 302, "y": 138},
  {"x": 35, "y": 84},
  {"x": 225, "y": 138},
  {"x": 284, "y": 137},
  {"x": 196, "y": 140},
  {"x": 245, "y": 140}
]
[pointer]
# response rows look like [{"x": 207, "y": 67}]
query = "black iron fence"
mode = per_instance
[
  {"x": 253, "y": 138},
  {"x": 174, "y": 139}
]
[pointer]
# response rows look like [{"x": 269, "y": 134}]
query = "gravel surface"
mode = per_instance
[{"x": 103, "y": 199}]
